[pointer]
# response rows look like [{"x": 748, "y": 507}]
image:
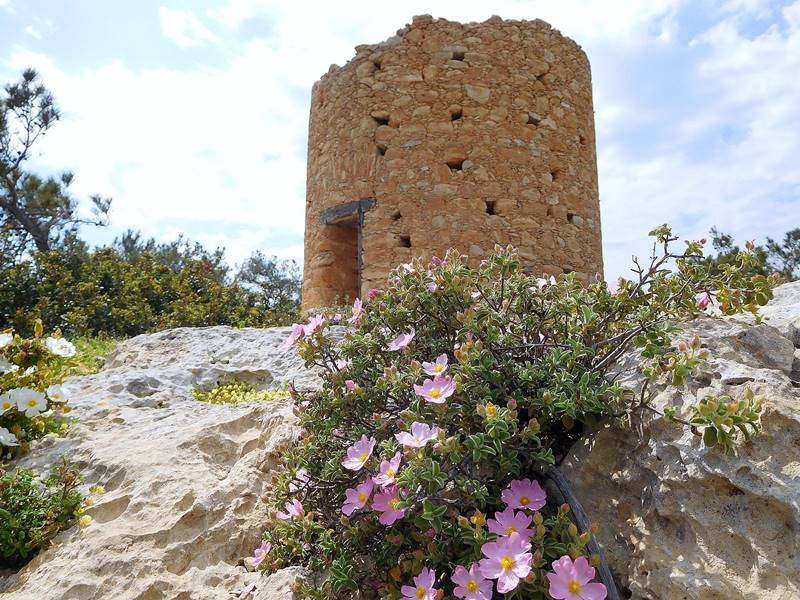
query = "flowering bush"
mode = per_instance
[
  {"x": 448, "y": 402},
  {"x": 32, "y": 399}
]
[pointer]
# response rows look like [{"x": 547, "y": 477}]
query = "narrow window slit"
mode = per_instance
[
  {"x": 533, "y": 120},
  {"x": 458, "y": 54},
  {"x": 381, "y": 120},
  {"x": 490, "y": 207},
  {"x": 571, "y": 217},
  {"x": 381, "y": 149},
  {"x": 455, "y": 113},
  {"x": 405, "y": 241},
  {"x": 554, "y": 175}
]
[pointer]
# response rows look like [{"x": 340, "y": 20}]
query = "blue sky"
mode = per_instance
[{"x": 192, "y": 115}]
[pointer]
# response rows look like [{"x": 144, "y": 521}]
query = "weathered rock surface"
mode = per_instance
[
  {"x": 682, "y": 522},
  {"x": 184, "y": 480}
]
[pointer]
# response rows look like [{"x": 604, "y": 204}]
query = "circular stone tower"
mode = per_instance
[{"x": 451, "y": 135}]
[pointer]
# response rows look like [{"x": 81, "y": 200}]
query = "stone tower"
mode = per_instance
[{"x": 451, "y": 135}]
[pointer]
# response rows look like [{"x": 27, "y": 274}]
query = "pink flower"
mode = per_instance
[
  {"x": 359, "y": 453},
  {"x": 298, "y": 331},
  {"x": 401, "y": 341},
  {"x": 408, "y": 267},
  {"x": 471, "y": 585},
  {"x": 423, "y": 587},
  {"x": 386, "y": 503},
  {"x": 421, "y": 434},
  {"x": 260, "y": 553},
  {"x": 436, "y": 390},
  {"x": 703, "y": 303},
  {"x": 541, "y": 283},
  {"x": 389, "y": 470},
  {"x": 374, "y": 293},
  {"x": 350, "y": 385},
  {"x": 436, "y": 261},
  {"x": 357, "y": 498},
  {"x": 358, "y": 311},
  {"x": 571, "y": 580},
  {"x": 508, "y": 560},
  {"x": 524, "y": 494},
  {"x": 508, "y": 522},
  {"x": 313, "y": 324},
  {"x": 436, "y": 368},
  {"x": 293, "y": 509},
  {"x": 301, "y": 478},
  {"x": 341, "y": 364},
  {"x": 432, "y": 287},
  {"x": 613, "y": 288}
]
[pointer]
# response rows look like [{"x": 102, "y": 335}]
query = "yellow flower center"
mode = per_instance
[
  {"x": 362, "y": 497},
  {"x": 364, "y": 456},
  {"x": 32, "y": 402},
  {"x": 472, "y": 586},
  {"x": 438, "y": 368},
  {"x": 574, "y": 587},
  {"x": 491, "y": 410},
  {"x": 421, "y": 592},
  {"x": 507, "y": 563},
  {"x": 524, "y": 500},
  {"x": 510, "y": 530},
  {"x": 6, "y": 405},
  {"x": 435, "y": 393},
  {"x": 390, "y": 472},
  {"x": 394, "y": 502}
]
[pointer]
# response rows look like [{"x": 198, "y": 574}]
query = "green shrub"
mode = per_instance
[
  {"x": 454, "y": 395},
  {"x": 33, "y": 512},
  {"x": 32, "y": 400},
  {"x": 135, "y": 287},
  {"x": 238, "y": 392}
]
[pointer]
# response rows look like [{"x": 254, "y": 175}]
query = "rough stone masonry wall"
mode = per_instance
[{"x": 465, "y": 135}]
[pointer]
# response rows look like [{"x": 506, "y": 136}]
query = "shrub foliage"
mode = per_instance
[
  {"x": 449, "y": 399},
  {"x": 135, "y": 286},
  {"x": 32, "y": 512}
]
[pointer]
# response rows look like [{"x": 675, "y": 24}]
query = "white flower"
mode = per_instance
[
  {"x": 58, "y": 393},
  {"x": 60, "y": 346},
  {"x": 30, "y": 370},
  {"x": 29, "y": 401},
  {"x": 6, "y": 403},
  {"x": 7, "y": 438},
  {"x": 6, "y": 339},
  {"x": 6, "y": 367}
]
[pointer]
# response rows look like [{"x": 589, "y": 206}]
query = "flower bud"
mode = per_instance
[
  {"x": 595, "y": 560},
  {"x": 573, "y": 530},
  {"x": 478, "y": 519},
  {"x": 563, "y": 509},
  {"x": 511, "y": 404},
  {"x": 463, "y": 522},
  {"x": 537, "y": 518}
]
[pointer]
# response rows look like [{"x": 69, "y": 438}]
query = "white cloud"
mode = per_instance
[
  {"x": 749, "y": 185},
  {"x": 33, "y": 32},
  {"x": 218, "y": 151},
  {"x": 184, "y": 28}
]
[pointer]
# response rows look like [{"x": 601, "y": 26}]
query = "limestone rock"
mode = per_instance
[
  {"x": 683, "y": 522},
  {"x": 185, "y": 480}
]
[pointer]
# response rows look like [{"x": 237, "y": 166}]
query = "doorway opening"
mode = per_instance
[{"x": 343, "y": 226}]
